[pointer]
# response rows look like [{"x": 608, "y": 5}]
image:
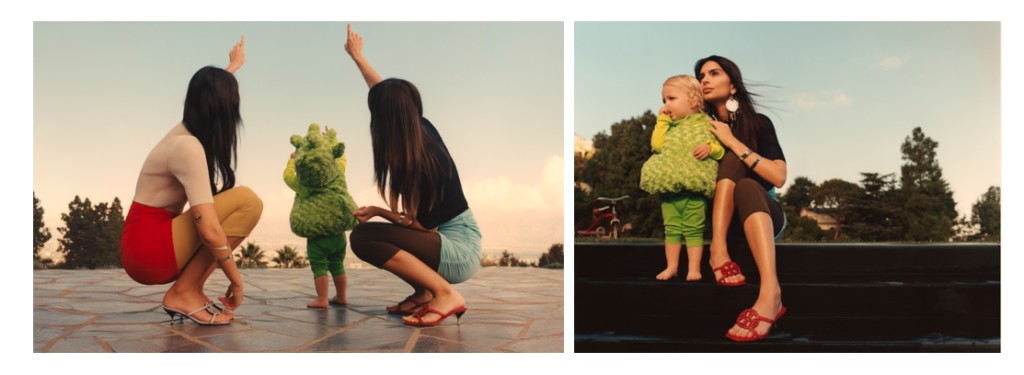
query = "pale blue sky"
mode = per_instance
[
  {"x": 105, "y": 93},
  {"x": 846, "y": 95}
]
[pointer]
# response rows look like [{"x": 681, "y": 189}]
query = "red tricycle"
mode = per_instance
[{"x": 615, "y": 226}]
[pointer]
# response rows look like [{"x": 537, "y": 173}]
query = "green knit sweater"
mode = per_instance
[
  {"x": 323, "y": 206},
  {"x": 673, "y": 168}
]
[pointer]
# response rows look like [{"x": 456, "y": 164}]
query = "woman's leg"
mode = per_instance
[
  {"x": 413, "y": 256},
  {"x": 760, "y": 223},
  {"x": 238, "y": 210},
  {"x": 730, "y": 170}
]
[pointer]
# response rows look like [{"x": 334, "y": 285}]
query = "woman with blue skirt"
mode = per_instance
[{"x": 432, "y": 240}]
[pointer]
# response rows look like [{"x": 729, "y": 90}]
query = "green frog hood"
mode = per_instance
[
  {"x": 323, "y": 205},
  {"x": 675, "y": 170}
]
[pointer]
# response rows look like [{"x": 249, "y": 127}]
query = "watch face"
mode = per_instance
[{"x": 732, "y": 105}]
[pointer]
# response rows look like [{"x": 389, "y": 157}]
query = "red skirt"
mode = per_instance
[{"x": 147, "y": 248}]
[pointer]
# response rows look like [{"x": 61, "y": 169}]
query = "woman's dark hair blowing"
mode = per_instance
[
  {"x": 403, "y": 163},
  {"x": 748, "y": 125},
  {"x": 211, "y": 115}
]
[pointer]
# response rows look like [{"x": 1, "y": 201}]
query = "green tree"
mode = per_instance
[
  {"x": 510, "y": 260},
  {"x": 287, "y": 257},
  {"x": 928, "y": 205},
  {"x": 985, "y": 213},
  {"x": 876, "y": 216},
  {"x": 40, "y": 233},
  {"x": 555, "y": 254},
  {"x": 798, "y": 195},
  {"x": 836, "y": 197},
  {"x": 614, "y": 171},
  {"x": 250, "y": 256},
  {"x": 92, "y": 234}
]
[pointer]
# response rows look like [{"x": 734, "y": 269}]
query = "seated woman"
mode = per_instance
[
  {"x": 159, "y": 243},
  {"x": 745, "y": 205},
  {"x": 433, "y": 240}
]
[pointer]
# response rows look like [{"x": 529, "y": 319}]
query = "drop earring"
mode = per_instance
[{"x": 732, "y": 105}]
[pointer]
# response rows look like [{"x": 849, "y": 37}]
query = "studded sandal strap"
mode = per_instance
[{"x": 729, "y": 268}]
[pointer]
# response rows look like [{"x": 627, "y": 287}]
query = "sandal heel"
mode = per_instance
[
  {"x": 458, "y": 317},
  {"x": 171, "y": 313}
]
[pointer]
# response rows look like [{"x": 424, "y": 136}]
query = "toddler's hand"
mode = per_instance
[
  {"x": 702, "y": 151},
  {"x": 664, "y": 111},
  {"x": 293, "y": 155}
]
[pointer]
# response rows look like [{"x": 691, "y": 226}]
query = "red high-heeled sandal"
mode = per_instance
[
  {"x": 412, "y": 310},
  {"x": 749, "y": 319},
  {"x": 458, "y": 311},
  {"x": 729, "y": 268}
]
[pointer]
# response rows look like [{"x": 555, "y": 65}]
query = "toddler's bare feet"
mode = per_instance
[
  {"x": 668, "y": 273},
  {"x": 321, "y": 303},
  {"x": 442, "y": 303},
  {"x": 338, "y": 299},
  {"x": 693, "y": 275}
]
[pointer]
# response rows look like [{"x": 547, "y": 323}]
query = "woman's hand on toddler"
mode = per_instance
[
  {"x": 363, "y": 214},
  {"x": 702, "y": 151}
]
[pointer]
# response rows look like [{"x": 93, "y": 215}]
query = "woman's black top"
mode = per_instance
[
  {"x": 768, "y": 147},
  {"x": 449, "y": 201}
]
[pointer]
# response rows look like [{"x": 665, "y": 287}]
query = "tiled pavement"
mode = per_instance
[{"x": 510, "y": 310}]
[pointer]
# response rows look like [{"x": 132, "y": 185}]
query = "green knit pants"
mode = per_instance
[
  {"x": 684, "y": 218},
  {"x": 326, "y": 254}
]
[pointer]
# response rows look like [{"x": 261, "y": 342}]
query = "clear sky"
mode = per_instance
[
  {"x": 105, "y": 93},
  {"x": 842, "y": 96}
]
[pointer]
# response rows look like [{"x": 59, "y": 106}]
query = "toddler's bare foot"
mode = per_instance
[
  {"x": 321, "y": 303},
  {"x": 668, "y": 273},
  {"x": 338, "y": 299},
  {"x": 693, "y": 275}
]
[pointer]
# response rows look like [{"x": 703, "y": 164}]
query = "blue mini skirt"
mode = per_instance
[{"x": 460, "y": 248}]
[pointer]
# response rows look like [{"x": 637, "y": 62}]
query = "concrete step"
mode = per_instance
[
  {"x": 808, "y": 262},
  {"x": 610, "y": 343},
  {"x": 819, "y": 311}
]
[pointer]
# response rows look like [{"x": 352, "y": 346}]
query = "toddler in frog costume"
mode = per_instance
[
  {"x": 680, "y": 171},
  {"x": 322, "y": 210}
]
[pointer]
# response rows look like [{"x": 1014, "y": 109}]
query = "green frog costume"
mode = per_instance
[
  {"x": 683, "y": 181},
  {"x": 323, "y": 208}
]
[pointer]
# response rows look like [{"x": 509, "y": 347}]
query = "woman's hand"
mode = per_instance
[
  {"x": 236, "y": 56},
  {"x": 233, "y": 297},
  {"x": 702, "y": 151},
  {"x": 723, "y": 132},
  {"x": 364, "y": 214},
  {"x": 354, "y": 44}
]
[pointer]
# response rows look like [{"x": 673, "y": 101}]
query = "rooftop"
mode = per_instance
[{"x": 510, "y": 310}]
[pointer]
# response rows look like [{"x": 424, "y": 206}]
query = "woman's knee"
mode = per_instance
[{"x": 747, "y": 187}]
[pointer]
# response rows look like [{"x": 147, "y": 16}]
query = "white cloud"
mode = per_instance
[
  {"x": 809, "y": 101},
  {"x": 544, "y": 195},
  {"x": 893, "y": 62}
]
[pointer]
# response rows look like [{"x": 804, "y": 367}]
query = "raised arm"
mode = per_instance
[
  {"x": 354, "y": 47},
  {"x": 236, "y": 56}
]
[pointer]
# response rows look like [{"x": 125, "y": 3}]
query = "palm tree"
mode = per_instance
[
  {"x": 286, "y": 257},
  {"x": 251, "y": 257}
]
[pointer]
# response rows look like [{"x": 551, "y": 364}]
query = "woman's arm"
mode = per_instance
[
  {"x": 354, "y": 47},
  {"x": 236, "y": 56},
  {"x": 211, "y": 234},
  {"x": 364, "y": 214},
  {"x": 773, "y": 171}
]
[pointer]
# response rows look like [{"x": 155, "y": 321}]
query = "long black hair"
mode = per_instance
[
  {"x": 403, "y": 163},
  {"x": 748, "y": 125},
  {"x": 212, "y": 116}
]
